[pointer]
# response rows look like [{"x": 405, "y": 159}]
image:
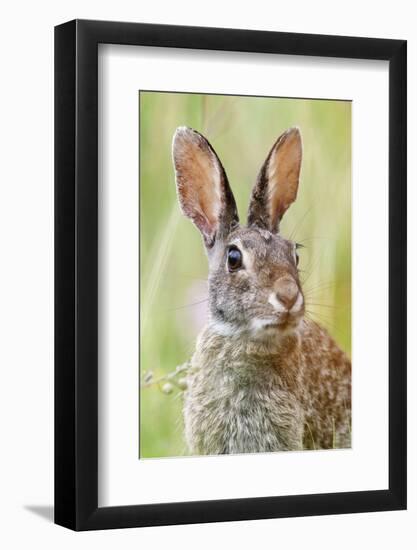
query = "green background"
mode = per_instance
[{"x": 173, "y": 264}]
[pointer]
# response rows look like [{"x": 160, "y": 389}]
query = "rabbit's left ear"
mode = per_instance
[
  {"x": 203, "y": 189},
  {"x": 277, "y": 183}
]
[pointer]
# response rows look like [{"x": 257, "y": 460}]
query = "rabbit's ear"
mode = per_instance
[
  {"x": 277, "y": 183},
  {"x": 203, "y": 190}
]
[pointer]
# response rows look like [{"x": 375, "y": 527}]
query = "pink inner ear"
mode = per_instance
[
  {"x": 203, "y": 189},
  {"x": 198, "y": 205},
  {"x": 206, "y": 226},
  {"x": 277, "y": 210},
  {"x": 277, "y": 182},
  {"x": 283, "y": 174},
  {"x": 198, "y": 181}
]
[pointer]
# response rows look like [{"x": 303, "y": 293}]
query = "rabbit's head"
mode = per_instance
[{"x": 254, "y": 286}]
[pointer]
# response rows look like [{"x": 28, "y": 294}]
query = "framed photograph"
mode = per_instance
[{"x": 230, "y": 253}]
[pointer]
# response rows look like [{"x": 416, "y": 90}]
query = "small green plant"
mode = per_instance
[{"x": 169, "y": 382}]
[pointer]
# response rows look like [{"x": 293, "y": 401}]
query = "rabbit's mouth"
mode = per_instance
[{"x": 284, "y": 323}]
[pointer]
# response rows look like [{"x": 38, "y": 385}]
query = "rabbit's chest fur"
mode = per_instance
[
  {"x": 243, "y": 397},
  {"x": 241, "y": 400}
]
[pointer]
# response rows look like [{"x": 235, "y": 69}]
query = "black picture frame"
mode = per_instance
[{"x": 76, "y": 273}]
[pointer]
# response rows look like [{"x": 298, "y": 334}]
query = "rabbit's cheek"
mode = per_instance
[{"x": 298, "y": 307}]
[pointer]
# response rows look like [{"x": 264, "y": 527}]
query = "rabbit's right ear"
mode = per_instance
[
  {"x": 203, "y": 189},
  {"x": 277, "y": 183}
]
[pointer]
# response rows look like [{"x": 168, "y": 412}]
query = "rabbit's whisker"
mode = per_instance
[
  {"x": 302, "y": 241},
  {"x": 321, "y": 287},
  {"x": 331, "y": 306},
  {"x": 187, "y": 276},
  {"x": 188, "y": 305},
  {"x": 329, "y": 324},
  {"x": 299, "y": 223},
  {"x": 310, "y": 272},
  {"x": 321, "y": 317}
]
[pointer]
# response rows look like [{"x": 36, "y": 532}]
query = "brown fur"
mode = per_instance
[
  {"x": 290, "y": 394},
  {"x": 262, "y": 378}
]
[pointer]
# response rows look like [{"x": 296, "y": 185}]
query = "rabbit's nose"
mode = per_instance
[{"x": 287, "y": 292}]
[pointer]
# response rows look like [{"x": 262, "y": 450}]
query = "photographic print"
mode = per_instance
[{"x": 245, "y": 274}]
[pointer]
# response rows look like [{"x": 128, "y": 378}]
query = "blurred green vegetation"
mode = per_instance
[{"x": 173, "y": 264}]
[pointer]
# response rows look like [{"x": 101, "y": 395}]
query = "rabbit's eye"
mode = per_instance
[{"x": 234, "y": 258}]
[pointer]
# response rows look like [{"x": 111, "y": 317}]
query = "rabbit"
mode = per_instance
[{"x": 263, "y": 377}]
